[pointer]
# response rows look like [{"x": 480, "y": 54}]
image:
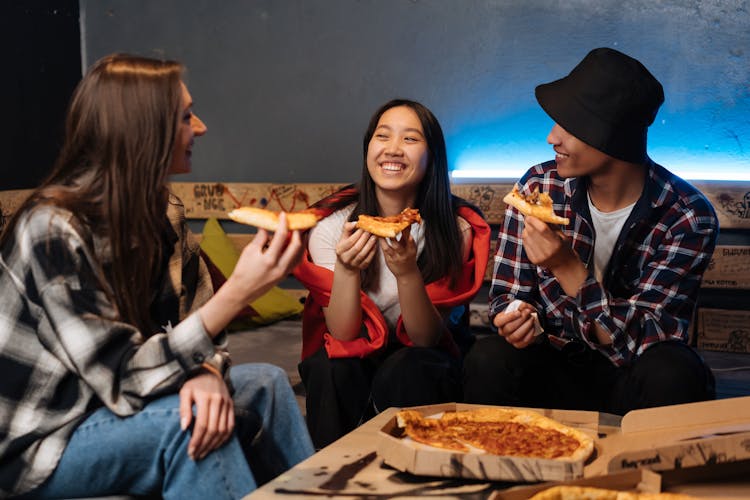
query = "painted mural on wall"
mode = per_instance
[
  {"x": 739, "y": 208},
  {"x": 216, "y": 199}
]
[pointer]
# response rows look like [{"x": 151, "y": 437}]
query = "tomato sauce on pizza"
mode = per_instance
[{"x": 498, "y": 431}]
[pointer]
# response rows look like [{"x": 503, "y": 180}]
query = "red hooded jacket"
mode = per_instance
[{"x": 318, "y": 281}]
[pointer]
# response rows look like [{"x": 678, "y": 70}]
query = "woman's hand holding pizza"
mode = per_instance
[
  {"x": 261, "y": 265},
  {"x": 400, "y": 254},
  {"x": 421, "y": 319},
  {"x": 517, "y": 327},
  {"x": 265, "y": 261},
  {"x": 354, "y": 252},
  {"x": 356, "y": 248}
]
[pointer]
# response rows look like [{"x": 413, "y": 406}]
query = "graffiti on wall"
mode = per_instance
[{"x": 734, "y": 207}]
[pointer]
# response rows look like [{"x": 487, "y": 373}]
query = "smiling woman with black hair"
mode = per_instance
[{"x": 386, "y": 319}]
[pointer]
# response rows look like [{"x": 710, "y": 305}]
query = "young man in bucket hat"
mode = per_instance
[{"x": 595, "y": 315}]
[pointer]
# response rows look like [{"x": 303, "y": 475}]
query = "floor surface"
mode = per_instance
[{"x": 281, "y": 344}]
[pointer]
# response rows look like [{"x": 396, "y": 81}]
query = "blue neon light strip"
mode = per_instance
[{"x": 701, "y": 146}]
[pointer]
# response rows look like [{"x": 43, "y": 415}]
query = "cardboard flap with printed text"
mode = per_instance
[{"x": 678, "y": 436}]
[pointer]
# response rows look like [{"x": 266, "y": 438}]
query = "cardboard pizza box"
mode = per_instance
[
  {"x": 691, "y": 436},
  {"x": 641, "y": 481},
  {"x": 728, "y": 481},
  {"x": 408, "y": 456},
  {"x": 677, "y": 437}
]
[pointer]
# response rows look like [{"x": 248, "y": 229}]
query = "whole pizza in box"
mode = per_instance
[
  {"x": 499, "y": 431},
  {"x": 487, "y": 442}
]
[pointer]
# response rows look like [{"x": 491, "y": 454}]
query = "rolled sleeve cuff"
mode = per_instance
[
  {"x": 191, "y": 343},
  {"x": 591, "y": 303}
]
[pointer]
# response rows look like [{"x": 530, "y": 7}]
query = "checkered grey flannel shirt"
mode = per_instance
[{"x": 61, "y": 353}]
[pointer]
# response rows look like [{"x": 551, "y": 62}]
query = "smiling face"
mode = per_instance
[
  {"x": 397, "y": 154},
  {"x": 574, "y": 157},
  {"x": 189, "y": 128}
]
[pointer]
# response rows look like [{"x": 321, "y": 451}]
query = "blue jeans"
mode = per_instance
[{"x": 146, "y": 454}]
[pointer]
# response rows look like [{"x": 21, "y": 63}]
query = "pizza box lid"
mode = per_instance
[
  {"x": 408, "y": 456},
  {"x": 676, "y": 437}
]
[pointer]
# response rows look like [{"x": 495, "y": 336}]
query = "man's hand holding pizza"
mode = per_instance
[
  {"x": 550, "y": 248},
  {"x": 544, "y": 245}
]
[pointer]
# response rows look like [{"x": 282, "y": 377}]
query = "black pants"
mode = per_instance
[
  {"x": 579, "y": 378},
  {"x": 342, "y": 393}
]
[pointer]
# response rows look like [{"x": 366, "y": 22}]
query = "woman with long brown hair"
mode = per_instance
[{"x": 115, "y": 371}]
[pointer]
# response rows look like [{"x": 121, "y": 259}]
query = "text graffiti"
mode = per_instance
[{"x": 210, "y": 196}]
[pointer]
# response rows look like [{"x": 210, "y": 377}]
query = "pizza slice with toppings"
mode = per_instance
[
  {"x": 536, "y": 204},
  {"x": 390, "y": 226}
]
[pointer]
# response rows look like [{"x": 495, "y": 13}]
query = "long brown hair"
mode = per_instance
[{"x": 112, "y": 171}]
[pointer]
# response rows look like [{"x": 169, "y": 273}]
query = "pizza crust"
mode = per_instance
[
  {"x": 462, "y": 429},
  {"x": 590, "y": 493},
  {"x": 536, "y": 204},
  {"x": 388, "y": 227},
  {"x": 428, "y": 431},
  {"x": 269, "y": 219}
]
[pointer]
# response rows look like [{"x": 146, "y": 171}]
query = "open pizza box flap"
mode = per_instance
[
  {"x": 641, "y": 481},
  {"x": 677, "y": 437},
  {"x": 406, "y": 455},
  {"x": 727, "y": 481}
]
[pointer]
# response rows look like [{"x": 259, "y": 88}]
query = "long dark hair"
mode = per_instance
[
  {"x": 441, "y": 255},
  {"x": 112, "y": 171}
]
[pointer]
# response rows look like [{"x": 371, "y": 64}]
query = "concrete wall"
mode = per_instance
[{"x": 287, "y": 86}]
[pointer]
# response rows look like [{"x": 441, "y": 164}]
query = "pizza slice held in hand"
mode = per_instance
[
  {"x": 269, "y": 219},
  {"x": 389, "y": 227},
  {"x": 536, "y": 204}
]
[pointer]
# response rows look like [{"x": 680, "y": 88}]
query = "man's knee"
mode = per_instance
[
  {"x": 673, "y": 373},
  {"x": 482, "y": 353},
  {"x": 493, "y": 372},
  {"x": 494, "y": 354}
]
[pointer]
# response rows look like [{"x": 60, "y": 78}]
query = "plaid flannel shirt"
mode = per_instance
[
  {"x": 61, "y": 353},
  {"x": 651, "y": 283}
]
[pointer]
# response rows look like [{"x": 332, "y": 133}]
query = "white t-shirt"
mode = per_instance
[
  {"x": 607, "y": 226},
  {"x": 384, "y": 293}
]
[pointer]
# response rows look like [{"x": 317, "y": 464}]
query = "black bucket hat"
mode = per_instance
[{"x": 608, "y": 101}]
